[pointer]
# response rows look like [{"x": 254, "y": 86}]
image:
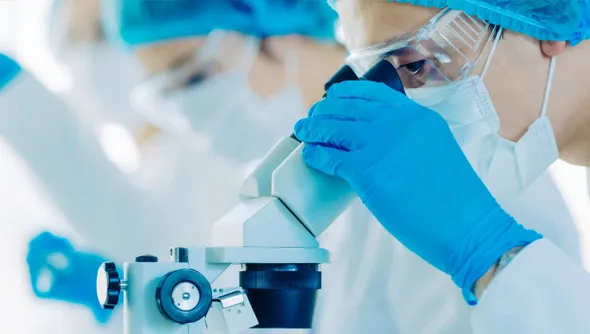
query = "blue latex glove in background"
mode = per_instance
[
  {"x": 58, "y": 271},
  {"x": 9, "y": 69},
  {"x": 405, "y": 165}
]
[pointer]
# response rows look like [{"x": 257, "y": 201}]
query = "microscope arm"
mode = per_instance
[{"x": 285, "y": 206}]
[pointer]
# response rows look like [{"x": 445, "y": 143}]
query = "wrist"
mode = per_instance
[
  {"x": 479, "y": 253},
  {"x": 483, "y": 282}
]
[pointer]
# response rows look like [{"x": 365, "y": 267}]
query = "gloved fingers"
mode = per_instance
[
  {"x": 370, "y": 91},
  {"x": 47, "y": 242},
  {"x": 347, "y": 109},
  {"x": 342, "y": 134},
  {"x": 45, "y": 247},
  {"x": 328, "y": 160}
]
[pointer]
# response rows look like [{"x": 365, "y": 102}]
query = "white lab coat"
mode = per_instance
[
  {"x": 69, "y": 165},
  {"x": 376, "y": 285},
  {"x": 93, "y": 204},
  {"x": 45, "y": 165},
  {"x": 542, "y": 291}
]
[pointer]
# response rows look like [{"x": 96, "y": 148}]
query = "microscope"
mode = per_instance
[{"x": 272, "y": 234}]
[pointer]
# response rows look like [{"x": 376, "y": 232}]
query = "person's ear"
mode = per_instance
[{"x": 551, "y": 49}]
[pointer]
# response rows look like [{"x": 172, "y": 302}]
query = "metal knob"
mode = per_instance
[
  {"x": 184, "y": 296},
  {"x": 108, "y": 285}
]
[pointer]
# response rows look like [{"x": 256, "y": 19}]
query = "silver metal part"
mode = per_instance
[
  {"x": 232, "y": 299},
  {"x": 179, "y": 254},
  {"x": 231, "y": 312},
  {"x": 229, "y": 297},
  {"x": 185, "y": 296}
]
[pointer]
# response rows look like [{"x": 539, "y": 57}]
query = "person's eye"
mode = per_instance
[
  {"x": 197, "y": 78},
  {"x": 415, "y": 68}
]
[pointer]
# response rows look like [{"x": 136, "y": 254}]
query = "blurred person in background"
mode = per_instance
[
  {"x": 218, "y": 90},
  {"x": 181, "y": 185},
  {"x": 53, "y": 138},
  {"x": 40, "y": 147},
  {"x": 226, "y": 80}
]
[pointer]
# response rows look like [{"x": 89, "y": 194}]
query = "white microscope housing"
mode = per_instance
[{"x": 272, "y": 233}]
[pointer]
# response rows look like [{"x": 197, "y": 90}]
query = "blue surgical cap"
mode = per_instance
[
  {"x": 311, "y": 18},
  {"x": 139, "y": 22},
  {"x": 556, "y": 20}
]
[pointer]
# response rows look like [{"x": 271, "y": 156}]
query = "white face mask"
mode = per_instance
[
  {"x": 507, "y": 168},
  {"x": 222, "y": 113},
  {"x": 101, "y": 74}
]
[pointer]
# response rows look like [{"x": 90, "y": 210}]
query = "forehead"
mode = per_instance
[{"x": 369, "y": 22}]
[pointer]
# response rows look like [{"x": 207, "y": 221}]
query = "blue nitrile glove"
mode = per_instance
[
  {"x": 60, "y": 272},
  {"x": 405, "y": 165},
  {"x": 9, "y": 69}
]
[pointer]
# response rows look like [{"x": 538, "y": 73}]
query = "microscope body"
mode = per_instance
[
  {"x": 174, "y": 297},
  {"x": 272, "y": 233}
]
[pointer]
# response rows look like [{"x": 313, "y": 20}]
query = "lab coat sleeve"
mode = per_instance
[
  {"x": 70, "y": 165},
  {"x": 541, "y": 291}
]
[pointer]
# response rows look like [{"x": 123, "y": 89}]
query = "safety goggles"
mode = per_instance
[{"x": 442, "y": 52}]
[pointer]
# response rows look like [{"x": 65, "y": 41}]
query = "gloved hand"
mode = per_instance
[
  {"x": 60, "y": 272},
  {"x": 9, "y": 69},
  {"x": 405, "y": 165}
]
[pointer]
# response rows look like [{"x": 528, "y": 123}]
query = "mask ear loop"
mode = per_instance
[
  {"x": 549, "y": 86},
  {"x": 211, "y": 46},
  {"x": 549, "y": 78},
  {"x": 249, "y": 55},
  {"x": 492, "y": 51}
]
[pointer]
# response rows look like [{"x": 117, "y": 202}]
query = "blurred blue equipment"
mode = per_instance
[
  {"x": 384, "y": 145},
  {"x": 9, "y": 69},
  {"x": 60, "y": 272},
  {"x": 139, "y": 22},
  {"x": 556, "y": 20}
]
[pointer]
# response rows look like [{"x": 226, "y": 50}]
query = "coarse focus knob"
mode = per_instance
[
  {"x": 108, "y": 285},
  {"x": 184, "y": 296}
]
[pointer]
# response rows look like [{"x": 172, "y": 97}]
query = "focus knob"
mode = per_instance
[
  {"x": 184, "y": 296},
  {"x": 108, "y": 285}
]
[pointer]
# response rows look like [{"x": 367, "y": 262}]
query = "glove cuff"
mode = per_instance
[{"x": 494, "y": 235}]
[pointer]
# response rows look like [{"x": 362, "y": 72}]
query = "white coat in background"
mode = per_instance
[
  {"x": 93, "y": 195},
  {"x": 48, "y": 172}
]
